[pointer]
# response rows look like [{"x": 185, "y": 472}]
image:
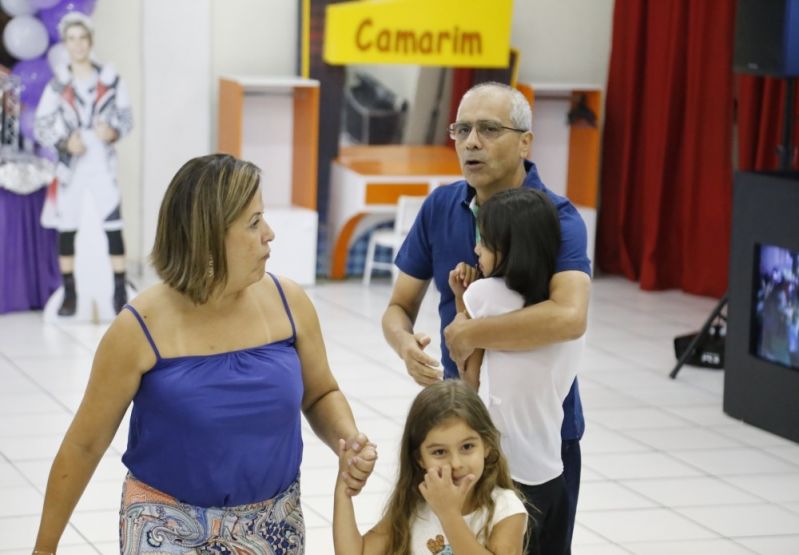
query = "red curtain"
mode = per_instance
[
  {"x": 760, "y": 103},
  {"x": 667, "y": 146}
]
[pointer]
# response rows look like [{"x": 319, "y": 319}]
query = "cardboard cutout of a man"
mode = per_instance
[{"x": 83, "y": 111}]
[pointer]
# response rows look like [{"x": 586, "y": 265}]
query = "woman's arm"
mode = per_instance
[
  {"x": 118, "y": 365},
  {"x": 323, "y": 404}
]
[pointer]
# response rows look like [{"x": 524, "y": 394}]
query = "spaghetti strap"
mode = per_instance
[
  {"x": 285, "y": 305},
  {"x": 145, "y": 330}
]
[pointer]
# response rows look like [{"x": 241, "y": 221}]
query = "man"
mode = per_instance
[
  {"x": 83, "y": 111},
  {"x": 493, "y": 139}
]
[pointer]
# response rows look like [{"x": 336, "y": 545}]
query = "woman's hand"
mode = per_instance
[
  {"x": 442, "y": 493},
  {"x": 357, "y": 457},
  {"x": 461, "y": 277}
]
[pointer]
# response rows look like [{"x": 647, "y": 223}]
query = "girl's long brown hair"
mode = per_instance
[{"x": 432, "y": 406}]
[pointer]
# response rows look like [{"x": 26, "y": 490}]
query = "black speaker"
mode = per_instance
[
  {"x": 767, "y": 37},
  {"x": 708, "y": 353}
]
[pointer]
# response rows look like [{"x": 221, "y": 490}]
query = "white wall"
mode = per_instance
[
  {"x": 251, "y": 37},
  {"x": 176, "y": 61},
  {"x": 562, "y": 41},
  {"x": 117, "y": 40}
]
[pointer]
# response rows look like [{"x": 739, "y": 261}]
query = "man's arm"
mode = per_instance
[
  {"x": 561, "y": 318},
  {"x": 398, "y": 320}
]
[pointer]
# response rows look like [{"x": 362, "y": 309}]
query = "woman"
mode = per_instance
[{"x": 219, "y": 359}]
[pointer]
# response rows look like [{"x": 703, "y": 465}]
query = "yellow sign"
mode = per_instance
[{"x": 456, "y": 33}]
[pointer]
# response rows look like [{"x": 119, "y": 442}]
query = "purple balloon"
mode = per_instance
[
  {"x": 26, "y": 120},
  {"x": 52, "y": 16},
  {"x": 43, "y": 4},
  {"x": 34, "y": 76}
]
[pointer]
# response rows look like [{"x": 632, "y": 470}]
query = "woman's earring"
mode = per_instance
[{"x": 210, "y": 267}]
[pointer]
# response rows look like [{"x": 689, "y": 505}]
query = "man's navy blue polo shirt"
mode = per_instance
[{"x": 443, "y": 235}]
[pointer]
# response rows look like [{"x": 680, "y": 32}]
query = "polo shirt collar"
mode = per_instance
[{"x": 531, "y": 181}]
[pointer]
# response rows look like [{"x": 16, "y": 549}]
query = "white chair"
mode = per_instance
[{"x": 407, "y": 209}]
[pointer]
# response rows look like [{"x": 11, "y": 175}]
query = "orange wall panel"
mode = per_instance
[
  {"x": 230, "y": 112},
  {"x": 582, "y": 182},
  {"x": 389, "y": 193},
  {"x": 305, "y": 145}
]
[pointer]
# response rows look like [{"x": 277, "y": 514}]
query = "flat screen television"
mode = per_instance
[
  {"x": 761, "y": 361},
  {"x": 775, "y": 318}
]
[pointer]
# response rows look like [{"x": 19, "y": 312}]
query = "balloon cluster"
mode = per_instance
[{"x": 32, "y": 46}]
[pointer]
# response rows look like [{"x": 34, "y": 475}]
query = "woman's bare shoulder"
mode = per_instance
[
  {"x": 157, "y": 299},
  {"x": 296, "y": 296},
  {"x": 126, "y": 337}
]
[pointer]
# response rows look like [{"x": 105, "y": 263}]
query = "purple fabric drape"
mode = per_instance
[{"x": 28, "y": 253}]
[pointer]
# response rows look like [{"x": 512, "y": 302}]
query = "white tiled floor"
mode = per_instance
[{"x": 665, "y": 471}]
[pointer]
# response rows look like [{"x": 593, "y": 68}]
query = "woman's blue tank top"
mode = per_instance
[{"x": 219, "y": 430}]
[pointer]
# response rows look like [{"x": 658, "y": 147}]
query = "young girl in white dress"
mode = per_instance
[{"x": 523, "y": 390}]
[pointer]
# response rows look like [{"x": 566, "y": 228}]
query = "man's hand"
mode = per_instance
[
  {"x": 455, "y": 338},
  {"x": 445, "y": 492},
  {"x": 357, "y": 458},
  {"x": 75, "y": 144},
  {"x": 105, "y": 132},
  {"x": 424, "y": 369}
]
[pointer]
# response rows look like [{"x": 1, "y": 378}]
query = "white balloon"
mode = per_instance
[
  {"x": 57, "y": 56},
  {"x": 17, "y": 7},
  {"x": 25, "y": 37}
]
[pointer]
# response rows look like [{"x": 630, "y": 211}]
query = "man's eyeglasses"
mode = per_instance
[{"x": 460, "y": 131}]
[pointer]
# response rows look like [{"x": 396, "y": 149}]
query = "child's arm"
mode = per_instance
[
  {"x": 347, "y": 540},
  {"x": 459, "y": 279},
  {"x": 471, "y": 370},
  {"x": 461, "y": 538},
  {"x": 346, "y": 537},
  {"x": 446, "y": 500},
  {"x": 508, "y": 535}
]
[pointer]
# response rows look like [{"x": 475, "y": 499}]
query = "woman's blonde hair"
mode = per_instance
[
  {"x": 434, "y": 405},
  {"x": 203, "y": 199}
]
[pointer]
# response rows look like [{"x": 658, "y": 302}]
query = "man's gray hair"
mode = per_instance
[{"x": 521, "y": 114}]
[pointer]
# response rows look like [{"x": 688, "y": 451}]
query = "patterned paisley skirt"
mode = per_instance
[{"x": 153, "y": 522}]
